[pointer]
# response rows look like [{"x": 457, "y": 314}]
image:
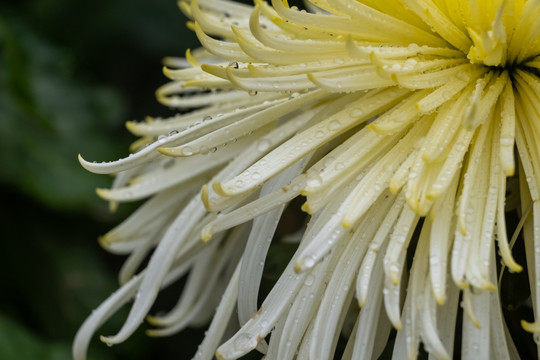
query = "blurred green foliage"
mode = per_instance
[
  {"x": 68, "y": 73},
  {"x": 71, "y": 73},
  {"x": 47, "y": 115}
]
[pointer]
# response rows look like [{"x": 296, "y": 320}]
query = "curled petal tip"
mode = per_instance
[
  {"x": 374, "y": 128},
  {"x": 461, "y": 284},
  {"x": 107, "y": 340},
  {"x": 190, "y": 25},
  {"x": 489, "y": 286},
  {"x": 167, "y": 151},
  {"x": 113, "y": 206},
  {"x": 346, "y": 223},
  {"x": 102, "y": 193},
  {"x": 152, "y": 320},
  {"x": 394, "y": 188},
  {"x": 532, "y": 327},
  {"x": 130, "y": 126},
  {"x": 298, "y": 267},
  {"x": 305, "y": 208},
  {"x": 204, "y": 197},
  {"x": 103, "y": 241},
  {"x": 218, "y": 188},
  {"x": 515, "y": 267},
  {"x": 191, "y": 59},
  {"x": 433, "y": 194},
  {"x": 441, "y": 299},
  {"x": 206, "y": 233},
  {"x": 85, "y": 164},
  {"x": 214, "y": 70}
]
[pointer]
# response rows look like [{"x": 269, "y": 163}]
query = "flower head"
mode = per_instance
[{"x": 396, "y": 120}]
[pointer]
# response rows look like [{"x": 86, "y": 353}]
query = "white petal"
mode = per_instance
[
  {"x": 258, "y": 243},
  {"x": 219, "y": 321}
]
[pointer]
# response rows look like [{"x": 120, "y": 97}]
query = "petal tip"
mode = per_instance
[{"x": 218, "y": 188}]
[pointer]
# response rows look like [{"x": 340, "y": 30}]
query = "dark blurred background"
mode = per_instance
[{"x": 71, "y": 73}]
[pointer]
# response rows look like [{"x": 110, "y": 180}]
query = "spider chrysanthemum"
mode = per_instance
[{"x": 397, "y": 120}]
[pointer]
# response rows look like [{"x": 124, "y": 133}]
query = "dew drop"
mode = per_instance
[
  {"x": 411, "y": 62},
  {"x": 507, "y": 141},
  {"x": 413, "y": 47},
  {"x": 314, "y": 180},
  {"x": 334, "y": 125},
  {"x": 243, "y": 341},
  {"x": 264, "y": 145},
  {"x": 309, "y": 261},
  {"x": 460, "y": 146},
  {"x": 394, "y": 268},
  {"x": 319, "y": 134},
  {"x": 187, "y": 151}
]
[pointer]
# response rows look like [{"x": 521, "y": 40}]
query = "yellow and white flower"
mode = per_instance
[{"x": 397, "y": 120}]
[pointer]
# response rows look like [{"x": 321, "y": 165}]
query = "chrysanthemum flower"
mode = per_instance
[{"x": 397, "y": 120}]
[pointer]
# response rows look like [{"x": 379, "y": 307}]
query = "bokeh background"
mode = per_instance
[{"x": 71, "y": 73}]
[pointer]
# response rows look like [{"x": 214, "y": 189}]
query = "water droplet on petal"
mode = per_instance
[
  {"x": 264, "y": 144},
  {"x": 187, "y": 151},
  {"x": 314, "y": 180},
  {"x": 334, "y": 125}
]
